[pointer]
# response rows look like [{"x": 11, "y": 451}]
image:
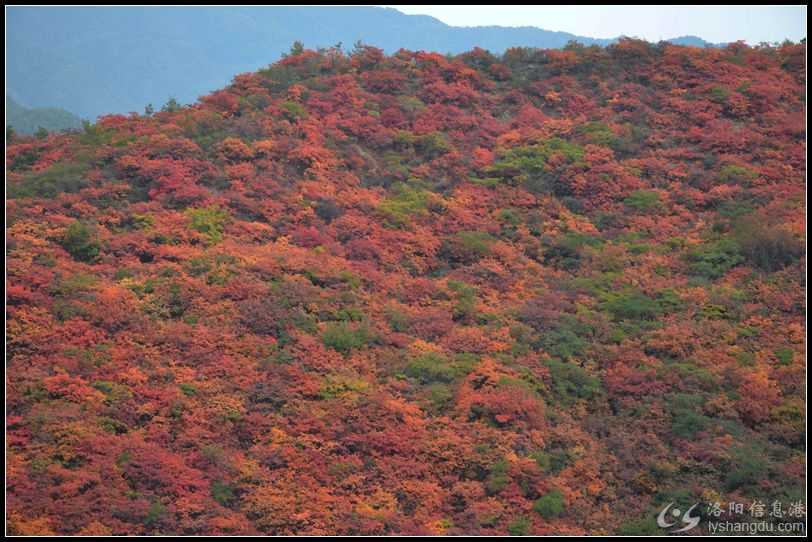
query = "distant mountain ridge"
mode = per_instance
[
  {"x": 117, "y": 60},
  {"x": 27, "y": 121}
]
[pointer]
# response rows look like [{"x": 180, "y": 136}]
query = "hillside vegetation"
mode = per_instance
[{"x": 547, "y": 292}]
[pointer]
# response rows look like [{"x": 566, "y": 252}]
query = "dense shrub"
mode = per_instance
[
  {"x": 686, "y": 416},
  {"x": 210, "y": 221},
  {"x": 498, "y": 477},
  {"x": 769, "y": 249},
  {"x": 643, "y": 202},
  {"x": 528, "y": 165},
  {"x": 747, "y": 466},
  {"x": 733, "y": 174},
  {"x": 566, "y": 251},
  {"x": 572, "y": 382},
  {"x": 433, "y": 368},
  {"x": 223, "y": 493},
  {"x": 430, "y": 368},
  {"x": 712, "y": 260},
  {"x": 61, "y": 177},
  {"x": 519, "y": 526},
  {"x": 328, "y": 210},
  {"x": 464, "y": 309},
  {"x": 632, "y": 305},
  {"x": 550, "y": 505},
  {"x": 565, "y": 337},
  {"x": 597, "y": 133},
  {"x": 405, "y": 203},
  {"x": 467, "y": 247},
  {"x": 80, "y": 241},
  {"x": 344, "y": 337}
]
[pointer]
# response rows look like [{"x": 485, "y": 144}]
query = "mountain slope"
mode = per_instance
[
  {"x": 549, "y": 292},
  {"x": 116, "y": 60},
  {"x": 27, "y": 121}
]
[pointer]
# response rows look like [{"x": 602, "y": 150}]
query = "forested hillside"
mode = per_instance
[{"x": 547, "y": 292}]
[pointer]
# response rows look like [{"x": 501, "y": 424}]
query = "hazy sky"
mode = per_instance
[{"x": 753, "y": 24}]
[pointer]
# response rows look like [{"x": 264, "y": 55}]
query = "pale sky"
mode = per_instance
[{"x": 753, "y": 24}]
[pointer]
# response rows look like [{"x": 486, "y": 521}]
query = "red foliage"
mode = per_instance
[{"x": 414, "y": 294}]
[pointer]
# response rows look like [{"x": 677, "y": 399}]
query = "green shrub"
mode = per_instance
[
  {"x": 342, "y": 385},
  {"x": 573, "y": 204},
  {"x": 733, "y": 174},
  {"x": 293, "y": 111},
  {"x": 552, "y": 461},
  {"x": 411, "y": 104},
  {"x": 328, "y": 210},
  {"x": 566, "y": 251},
  {"x": 405, "y": 203},
  {"x": 719, "y": 94},
  {"x": 23, "y": 160},
  {"x": 464, "y": 308},
  {"x": 712, "y": 260},
  {"x": 644, "y": 202},
  {"x": 114, "y": 391},
  {"x": 155, "y": 514},
  {"x": 550, "y": 506},
  {"x": 510, "y": 216},
  {"x": 519, "y": 526},
  {"x": 188, "y": 390},
  {"x": 198, "y": 266},
  {"x": 632, "y": 305},
  {"x": 687, "y": 423},
  {"x": 527, "y": 165},
  {"x": 691, "y": 375},
  {"x": 440, "y": 397},
  {"x": 398, "y": 321},
  {"x": 112, "y": 426},
  {"x": 735, "y": 208},
  {"x": 349, "y": 314},
  {"x": 176, "y": 301},
  {"x": 80, "y": 241},
  {"x": 669, "y": 300},
  {"x": 210, "y": 221},
  {"x": 76, "y": 285},
  {"x": 223, "y": 493},
  {"x": 572, "y": 382},
  {"x": 344, "y": 337},
  {"x": 430, "y": 368},
  {"x": 95, "y": 135},
  {"x": 565, "y": 338},
  {"x": 467, "y": 247},
  {"x": 597, "y": 133},
  {"x": 747, "y": 467},
  {"x": 61, "y": 177},
  {"x": 640, "y": 527},
  {"x": 433, "y": 145},
  {"x": 498, "y": 477},
  {"x": 784, "y": 355},
  {"x": 686, "y": 418}
]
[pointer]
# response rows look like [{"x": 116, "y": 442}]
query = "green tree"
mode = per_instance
[
  {"x": 295, "y": 50},
  {"x": 550, "y": 506},
  {"x": 171, "y": 106},
  {"x": 80, "y": 241}
]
